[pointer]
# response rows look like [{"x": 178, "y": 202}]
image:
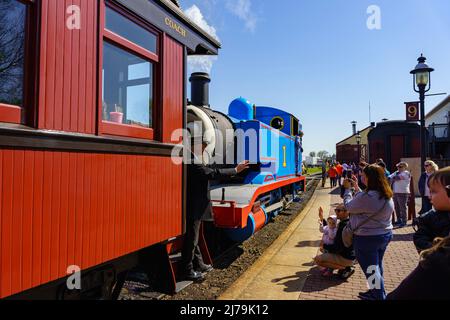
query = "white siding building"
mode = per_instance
[{"x": 437, "y": 122}]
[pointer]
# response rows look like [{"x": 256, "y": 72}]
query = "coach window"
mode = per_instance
[
  {"x": 129, "y": 67},
  {"x": 15, "y": 19}
]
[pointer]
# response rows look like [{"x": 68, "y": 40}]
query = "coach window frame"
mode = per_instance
[
  {"x": 26, "y": 113},
  {"x": 107, "y": 36}
]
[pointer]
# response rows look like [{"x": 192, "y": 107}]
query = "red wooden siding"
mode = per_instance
[
  {"x": 66, "y": 208},
  {"x": 397, "y": 150},
  {"x": 377, "y": 150},
  {"x": 347, "y": 153},
  {"x": 68, "y": 64},
  {"x": 414, "y": 147},
  {"x": 172, "y": 110}
]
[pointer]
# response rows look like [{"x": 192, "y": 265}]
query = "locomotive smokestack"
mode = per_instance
[{"x": 200, "y": 89}]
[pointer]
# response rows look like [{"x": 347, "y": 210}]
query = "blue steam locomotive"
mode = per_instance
[{"x": 270, "y": 138}]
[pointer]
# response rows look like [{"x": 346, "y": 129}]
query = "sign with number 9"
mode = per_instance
[{"x": 412, "y": 111}]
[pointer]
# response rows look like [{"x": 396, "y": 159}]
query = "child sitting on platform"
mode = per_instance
[{"x": 329, "y": 228}]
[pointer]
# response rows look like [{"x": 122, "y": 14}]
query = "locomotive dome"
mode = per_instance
[{"x": 241, "y": 109}]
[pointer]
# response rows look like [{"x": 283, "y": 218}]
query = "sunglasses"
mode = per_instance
[
  {"x": 427, "y": 165},
  {"x": 342, "y": 210}
]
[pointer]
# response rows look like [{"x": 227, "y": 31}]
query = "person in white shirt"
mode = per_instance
[{"x": 400, "y": 181}]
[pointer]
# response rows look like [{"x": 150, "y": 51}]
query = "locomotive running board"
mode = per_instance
[
  {"x": 245, "y": 195},
  {"x": 233, "y": 203}
]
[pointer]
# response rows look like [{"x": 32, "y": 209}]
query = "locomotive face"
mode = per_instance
[{"x": 277, "y": 123}]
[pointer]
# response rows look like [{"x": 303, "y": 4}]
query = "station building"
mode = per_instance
[
  {"x": 437, "y": 122},
  {"x": 355, "y": 147}
]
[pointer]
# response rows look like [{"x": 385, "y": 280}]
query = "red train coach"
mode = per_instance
[{"x": 90, "y": 93}]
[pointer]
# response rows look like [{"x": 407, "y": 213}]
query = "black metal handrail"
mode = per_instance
[
  {"x": 439, "y": 131},
  {"x": 442, "y": 163}
]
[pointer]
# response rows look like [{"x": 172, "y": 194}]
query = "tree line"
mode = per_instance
[{"x": 323, "y": 155}]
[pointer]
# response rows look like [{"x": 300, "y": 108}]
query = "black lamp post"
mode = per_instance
[
  {"x": 358, "y": 142},
  {"x": 422, "y": 84}
]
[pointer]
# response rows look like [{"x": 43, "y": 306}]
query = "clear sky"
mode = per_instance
[{"x": 318, "y": 59}]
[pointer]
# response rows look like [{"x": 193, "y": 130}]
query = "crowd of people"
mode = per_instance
[
  {"x": 336, "y": 172},
  {"x": 374, "y": 203}
]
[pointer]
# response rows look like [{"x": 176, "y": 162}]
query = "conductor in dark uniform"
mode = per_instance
[{"x": 198, "y": 205}]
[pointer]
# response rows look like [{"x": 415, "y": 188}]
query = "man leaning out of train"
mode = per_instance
[{"x": 198, "y": 203}]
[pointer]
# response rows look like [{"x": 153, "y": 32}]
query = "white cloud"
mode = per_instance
[
  {"x": 196, "y": 16},
  {"x": 200, "y": 63},
  {"x": 243, "y": 10}
]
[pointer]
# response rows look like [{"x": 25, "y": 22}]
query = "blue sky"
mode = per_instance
[{"x": 318, "y": 60}]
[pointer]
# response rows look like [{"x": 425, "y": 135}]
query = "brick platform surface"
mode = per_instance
[{"x": 400, "y": 259}]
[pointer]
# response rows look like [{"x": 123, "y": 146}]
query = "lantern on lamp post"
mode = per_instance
[{"x": 422, "y": 84}]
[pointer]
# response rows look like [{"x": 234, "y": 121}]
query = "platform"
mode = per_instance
[{"x": 286, "y": 271}]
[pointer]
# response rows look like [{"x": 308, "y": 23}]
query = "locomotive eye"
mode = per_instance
[{"x": 277, "y": 123}]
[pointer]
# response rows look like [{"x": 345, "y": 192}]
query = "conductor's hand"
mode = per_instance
[{"x": 244, "y": 165}]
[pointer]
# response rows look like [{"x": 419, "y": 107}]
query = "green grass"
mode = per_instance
[{"x": 314, "y": 170}]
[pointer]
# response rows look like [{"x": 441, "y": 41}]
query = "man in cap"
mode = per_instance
[
  {"x": 400, "y": 181},
  {"x": 198, "y": 202}
]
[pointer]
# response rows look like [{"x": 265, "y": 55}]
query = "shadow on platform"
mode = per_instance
[
  {"x": 308, "y": 243},
  {"x": 294, "y": 282},
  {"x": 315, "y": 282},
  {"x": 336, "y": 191},
  {"x": 308, "y": 281}
]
